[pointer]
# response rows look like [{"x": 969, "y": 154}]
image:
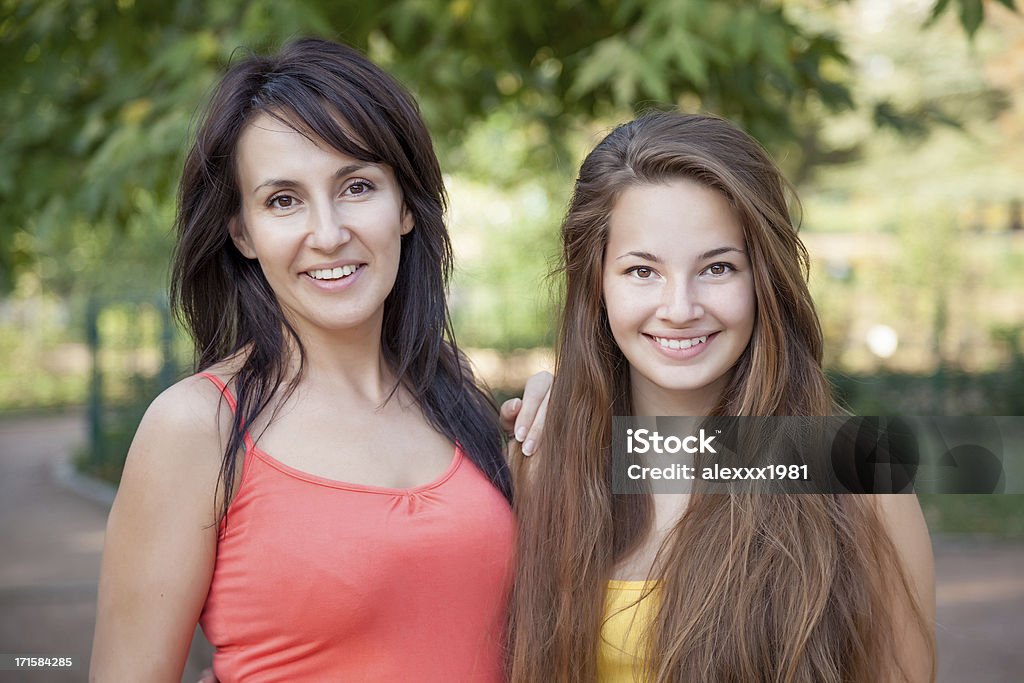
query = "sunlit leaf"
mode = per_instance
[{"x": 971, "y": 14}]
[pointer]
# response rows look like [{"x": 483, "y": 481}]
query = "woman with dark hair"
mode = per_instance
[
  {"x": 685, "y": 294},
  {"x": 328, "y": 496}
]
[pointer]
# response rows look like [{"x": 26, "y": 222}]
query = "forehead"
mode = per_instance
[
  {"x": 674, "y": 219},
  {"x": 267, "y": 129},
  {"x": 278, "y": 133},
  {"x": 270, "y": 145}
]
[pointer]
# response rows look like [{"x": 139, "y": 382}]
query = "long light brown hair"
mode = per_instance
[{"x": 780, "y": 588}]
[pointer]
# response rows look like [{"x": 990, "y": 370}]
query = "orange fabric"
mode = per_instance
[{"x": 321, "y": 580}]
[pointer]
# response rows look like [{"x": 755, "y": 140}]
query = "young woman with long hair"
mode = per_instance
[
  {"x": 685, "y": 294},
  {"x": 328, "y": 496}
]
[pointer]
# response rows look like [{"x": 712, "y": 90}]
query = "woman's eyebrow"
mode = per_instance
[
  {"x": 282, "y": 182},
  {"x": 711, "y": 253},
  {"x": 645, "y": 255}
]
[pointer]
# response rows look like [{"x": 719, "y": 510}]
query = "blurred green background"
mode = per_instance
[{"x": 901, "y": 123}]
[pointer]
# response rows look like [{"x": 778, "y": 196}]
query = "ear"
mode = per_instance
[
  {"x": 236, "y": 228},
  {"x": 408, "y": 222}
]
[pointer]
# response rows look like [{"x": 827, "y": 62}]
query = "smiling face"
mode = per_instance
[
  {"x": 325, "y": 227},
  {"x": 679, "y": 293}
]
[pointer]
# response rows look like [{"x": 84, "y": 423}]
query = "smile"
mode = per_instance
[
  {"x": 333, "y": 273},
  {"x": 680, "y": 349},
  {"x": 679, "y": 343}
]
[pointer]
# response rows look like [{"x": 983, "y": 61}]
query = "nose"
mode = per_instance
[
  {"x": 327, "y": 229},
  {"x": 680, "y": 302}
]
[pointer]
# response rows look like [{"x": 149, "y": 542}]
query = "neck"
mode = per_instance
[
  {"x": 651, "y": 399},
  {"x": 348, "y": 363}
]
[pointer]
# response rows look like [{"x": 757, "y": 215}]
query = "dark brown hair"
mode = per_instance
[
  {"x": 333, "y": 94},
  {"x": 780, "y": 588}
]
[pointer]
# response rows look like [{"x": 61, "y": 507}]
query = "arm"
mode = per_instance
[
  {"x": 161, "y": 539},
  {"x": 902, "y": 518}
]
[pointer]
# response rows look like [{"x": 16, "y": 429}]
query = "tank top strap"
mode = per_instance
[{"x": 232, "y": 403}]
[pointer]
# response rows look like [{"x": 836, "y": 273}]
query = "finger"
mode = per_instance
[
  {"x": 522, "y": 472},
  {"x": 507, "y": 414},
  {"x": 534, "y": 395},
  {"x": 537, "y": 429}
]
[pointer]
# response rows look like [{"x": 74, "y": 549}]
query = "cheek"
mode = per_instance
[
  {"x": 616, "y": 307},
  {"x": 386, "y": 236},
  {"x": 732, "y": 302},
  {"x": 740, "y": 308},
  {"x": 748, "y": 309},
  {"x": 275, "y": 240}
]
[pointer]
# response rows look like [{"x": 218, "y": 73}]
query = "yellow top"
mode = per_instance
[{"x": 626, "y": 620}]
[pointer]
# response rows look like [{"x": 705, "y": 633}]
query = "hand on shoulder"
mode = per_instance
[{"x": 523, "y": 419}]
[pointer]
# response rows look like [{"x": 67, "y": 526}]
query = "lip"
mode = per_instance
[
  {"x": 682, "y": 354},
  {"x": 335, "y": 285}
]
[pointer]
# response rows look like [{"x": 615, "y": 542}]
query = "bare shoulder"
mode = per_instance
[
  {"x": 161, "y": 539},
  {"x": 181, "y": 438},
  {"x": 902, "y": 518},
  {"x": 901, "y": 513},
  {"x": 194, "y": 408},
  {"x": 904, "y": 521}
]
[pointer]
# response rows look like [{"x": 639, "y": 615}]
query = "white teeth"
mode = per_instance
[
  {"x": 680, "y": 343},
  {"x": 332, "y": 273}
]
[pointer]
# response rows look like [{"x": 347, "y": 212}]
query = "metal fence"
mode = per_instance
[{"x": 136, "y": 351}]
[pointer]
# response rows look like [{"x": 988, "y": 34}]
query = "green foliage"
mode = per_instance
[
  {"x": 948, "y": 391},
  {"x": 44, "y": 364},
  {"x": 99, "y": 96},
  {"x": 1001, "y": 516},
  {"x": 970, "y": 12}
]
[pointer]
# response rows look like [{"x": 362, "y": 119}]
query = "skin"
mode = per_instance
[
  {"x": 304, "y": 207},
  {"x": 675, "y": 267},
  {"x": 307, "y": 207}
]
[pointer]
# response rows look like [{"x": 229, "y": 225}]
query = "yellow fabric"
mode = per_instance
[{"x": 626, "y": 620}]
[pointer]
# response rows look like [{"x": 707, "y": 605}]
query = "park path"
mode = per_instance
[{"x": 51, "y": 538}]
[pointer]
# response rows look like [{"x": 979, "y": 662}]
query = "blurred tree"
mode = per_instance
[
  {"x": 98, "y": 96},
  {"x": 928, "y": 207}
]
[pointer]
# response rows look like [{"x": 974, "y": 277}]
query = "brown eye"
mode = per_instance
[
  {"x": 641, "y": 272},
  {"x": 281, "y": 201},
  {"x": 358, "y": 188},
  {"x": 719, "y": 268}
]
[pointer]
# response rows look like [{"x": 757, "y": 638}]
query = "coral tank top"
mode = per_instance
[{"x": 322, "y": 580}]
